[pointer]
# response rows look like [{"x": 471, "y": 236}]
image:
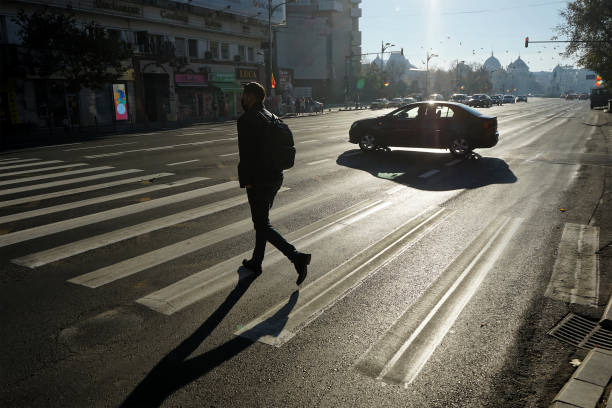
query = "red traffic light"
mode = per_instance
[{"x": 526, "y": 42}]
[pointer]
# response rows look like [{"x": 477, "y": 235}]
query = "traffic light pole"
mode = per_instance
[{"x": 347, "y": 58}]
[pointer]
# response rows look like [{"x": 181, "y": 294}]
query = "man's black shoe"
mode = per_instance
[
  {"x": 252, "y": 266},
  {"x": 301, "y": 262}
]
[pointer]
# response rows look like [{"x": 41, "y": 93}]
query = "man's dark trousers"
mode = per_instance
[{"x": 261, "y": 197}]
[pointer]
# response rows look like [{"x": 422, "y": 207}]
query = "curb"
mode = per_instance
[{"x": 588, "y": 383}]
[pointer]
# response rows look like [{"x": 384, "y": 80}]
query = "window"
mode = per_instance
[
  {"x": 443, "y": 112},
  {"x": 214, "y": 49},
  {"x": 193, "y": 48},
  {"x": 407, "y": 114},
  {"x": 225, "y": 51},
  {"x": 250, "y": 54},
  {"x": 179, "y": 45},
  {"x": 242, "y": 52}
]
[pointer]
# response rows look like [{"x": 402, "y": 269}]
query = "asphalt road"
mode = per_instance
[{"x": 121, "y": 285}]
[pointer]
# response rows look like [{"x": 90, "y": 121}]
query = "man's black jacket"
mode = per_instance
[{"x": 254, "y": 167}]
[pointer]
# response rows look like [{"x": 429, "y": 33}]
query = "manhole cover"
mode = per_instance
[{"x": 582, "y": 333}]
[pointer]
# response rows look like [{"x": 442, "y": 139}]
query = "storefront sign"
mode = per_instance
[
  {"x": 222, "y": 77},
  {"x": 246, "y": 74},
  {"x": 120, "y": 100},
  {"x": 117, "y": 6},
  {"x": 173, "y": 15},
  {"x": 285, "y": 78},
  {"x": 189, "y": 78}
]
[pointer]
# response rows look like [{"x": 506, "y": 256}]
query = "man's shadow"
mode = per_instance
[{"x": 174, "y": 371}]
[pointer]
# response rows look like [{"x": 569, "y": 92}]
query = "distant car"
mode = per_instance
[
  {"x": 508, "y": 99},
  {"x": 379, "y": 103},
  {"x": 521, "y": 98},
  {"x": 571, "y": 96},
  {"x": 480, "y": 101},
  {"x": 583, "y": 96},
  {"x": 408, "y": 100},
  {"x": 395, "y": 103},
  {"x": 600, "y": 97},
  {"x": 317, "y": 106},
  {"x": 436, "y": 97},
  {"x": 443, "y": 125},
  {"x": 460, "y": 98},
  {"x": 497, "y": 99}
]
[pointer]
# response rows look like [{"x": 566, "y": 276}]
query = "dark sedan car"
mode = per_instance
[
  {"x": 431, "y": 124},
  {"x": 480, "y": 101}
]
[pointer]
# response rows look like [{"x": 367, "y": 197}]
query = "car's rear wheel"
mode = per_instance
[
  {"x": 460, "y": 147},
  {"x": 367, "y": 143}
]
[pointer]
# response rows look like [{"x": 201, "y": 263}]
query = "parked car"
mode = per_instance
[
  {"x": 599, "y": 97},
  {"x": 379, "y": 103},
  {"x": 508, "y": 99},
  {"x": 460, "y": 98},
  {"x": 480, "y": 101},
  {"x": 409, "y": 100},
  {"x": 395, "y": 103},
  {"x": 436, "y": 97},
  {"x": 521, "y": 98},
  {"x": 443, "y": 125},
  {"x": 497, "y": 99},
  {"x": 571, "y": 97}
]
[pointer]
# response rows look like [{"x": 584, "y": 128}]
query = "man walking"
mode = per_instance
[{"x": 262, "y": 181}]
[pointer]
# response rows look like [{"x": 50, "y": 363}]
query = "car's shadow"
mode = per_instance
[{"x": 399, "y": 166}]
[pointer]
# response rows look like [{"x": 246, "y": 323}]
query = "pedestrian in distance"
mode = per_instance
[{"x": 260, "y": 171}]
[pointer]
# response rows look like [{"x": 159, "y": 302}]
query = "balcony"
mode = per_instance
[
  {"x": 356, "y": 12},
  {"x": 331, "y": 5}
]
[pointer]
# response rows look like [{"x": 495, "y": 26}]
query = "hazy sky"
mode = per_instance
[{"x": 464, "y": 30}]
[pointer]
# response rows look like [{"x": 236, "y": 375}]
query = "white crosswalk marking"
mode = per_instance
[
  {"x": 38, "y": 163},
  {"x": 148, "y": 260},
  {"x": 74, "y": 248},
  {"x": 53, "y": 175},
  {"x": 38, "y": 170},
  {"x": 152, "y": 149},
  {"x": 97, "y": 200},
  {"x": 99, "y": 147},
  {"x": 68, "y": 181},
  {"x": 4, "y": 162},
  {"x": 11, "y": 158},
  {"x": 79, "y": 190}
]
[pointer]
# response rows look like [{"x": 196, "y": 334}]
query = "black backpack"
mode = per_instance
[{"x": 278, "y": 146}]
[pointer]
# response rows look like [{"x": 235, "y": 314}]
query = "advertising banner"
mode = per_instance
[
  {"x": 120, "y": 99},
  {"x": 257, "y": 9}
]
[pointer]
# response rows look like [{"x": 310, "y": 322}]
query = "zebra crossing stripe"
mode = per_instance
[
  {"x": 53, "y": 175},
  {"x": 152, "y": 149},
  {"x": 79, "y": 190},
  {"x": 334, "y": 285},
  {"x": 65, "y": 225},
  {"x": 221, "y": 276},
  {"x": 68, "y": 181},
  {"x": 15, "y": 160},
  {"x": 160, "y": 256},
  {"x": 74, "y": 248},
  {"x": 38, "y": 163},
  {"x": 16, "y": 173},
  {"x": 96, "y": 200}
]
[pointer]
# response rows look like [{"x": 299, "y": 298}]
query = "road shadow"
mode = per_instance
[
  {"x": 399, "y": 166},
  {"x": 174, "y": 371}
]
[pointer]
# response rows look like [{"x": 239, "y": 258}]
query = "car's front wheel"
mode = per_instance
[
  {"x": 460, "y": 147},
  {"x": 367, "y": 143}
]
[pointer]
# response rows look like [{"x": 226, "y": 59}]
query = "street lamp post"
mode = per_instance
[
  {"x": 383, "y": 48},
  {"x": 271, "y": 11},
  {"x": 457, "y": 75},
  {"x": 429, "y": 56}
]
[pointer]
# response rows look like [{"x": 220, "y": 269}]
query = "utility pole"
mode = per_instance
[
  {"x": 271, "y": 11},
  {"x": 429, "y": 56}
]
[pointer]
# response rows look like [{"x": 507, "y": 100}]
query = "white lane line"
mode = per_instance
[
  {"x": 65, "y": 225},
  {"x": 395, "y": 189},
  {"x": 78, "y": 247},
  {"x": 160, "y": 256},
  {"x": 228, "y": 154},
  {"x": 575, "y": 277},
  {"x": 317, "y": 162},
  {"x": 15, "y": 173},
  {"x": 309, "y": 141},
  {"x": 64, "y": 182},
  {"x": 99, "y": 147},
  {"x": 17, "y": 166},
  {"x": 97, "y": 200},
  {"x": 79, "y": 190},
  {"x": 54, "y": 175},
  {"x": 12, "y": 159},
  {"x": 452, "y": 163},
  {"x": 183, "y": 162},
  {"x": 59, "y": 145},
  {"x": 193, "y": 134},
  {"x": 223, "y": 275},
  {"x": 15, "y": 161},
  {"x": 429, "y": 173},
  {"x": 152, "y": 149}
]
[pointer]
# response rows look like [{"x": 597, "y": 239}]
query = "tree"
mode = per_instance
[
  {"x": 591, "y": 21},
  {"x": 83, "y": 54}
]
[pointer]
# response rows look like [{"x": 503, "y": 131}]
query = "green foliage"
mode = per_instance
[
  {"x": 84, "y": 54},
  {"x": 589, "y": 20}
]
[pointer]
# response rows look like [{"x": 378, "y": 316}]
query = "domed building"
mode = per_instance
[
  {"x": 518, "y": 77},
  {"x": 492, "y": 64},
  {"x": 496, "y": 73}
]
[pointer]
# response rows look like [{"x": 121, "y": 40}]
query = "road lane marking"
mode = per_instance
[
  {"x": 429, "y": 173},
  {"x": 96, "y": 200},
  {"x": 228, "y": 154},
  {"x": 99, "y": 147},
  {"x": 452, "y": 163},
  {"x": 78, "y": 247},
  {"x": 38, "y": 163},
  {"x": 575, "y": 277},
  {"x": 79, "y": 190},
  {"x": 152, "y": 149},
  {"x": 54, "y": 175},
  {"x": 221, "y": 276},
  {"x": 65, "y": 225},
  {"x": 16, "y": 173},
  {"x": 317, "y": 162},
  {"x": 59, "y": 145},
  {"x": 324, "y": 292},
  {"x": 183, "y": 162},
  {"x": 13, "y": 158},
  {"x": 15, "y": 161},
  {"x": 309, "y": 141},
  {"x": 395, "y": 189},
  {"x": 395, "y": 360},
  {"x": 160, "y": 256}
]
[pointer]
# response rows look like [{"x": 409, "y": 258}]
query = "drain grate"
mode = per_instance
[{"x": 582, "y": 333}]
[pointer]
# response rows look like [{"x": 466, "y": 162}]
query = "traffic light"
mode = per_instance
[{"x": 526, "y": 42}]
